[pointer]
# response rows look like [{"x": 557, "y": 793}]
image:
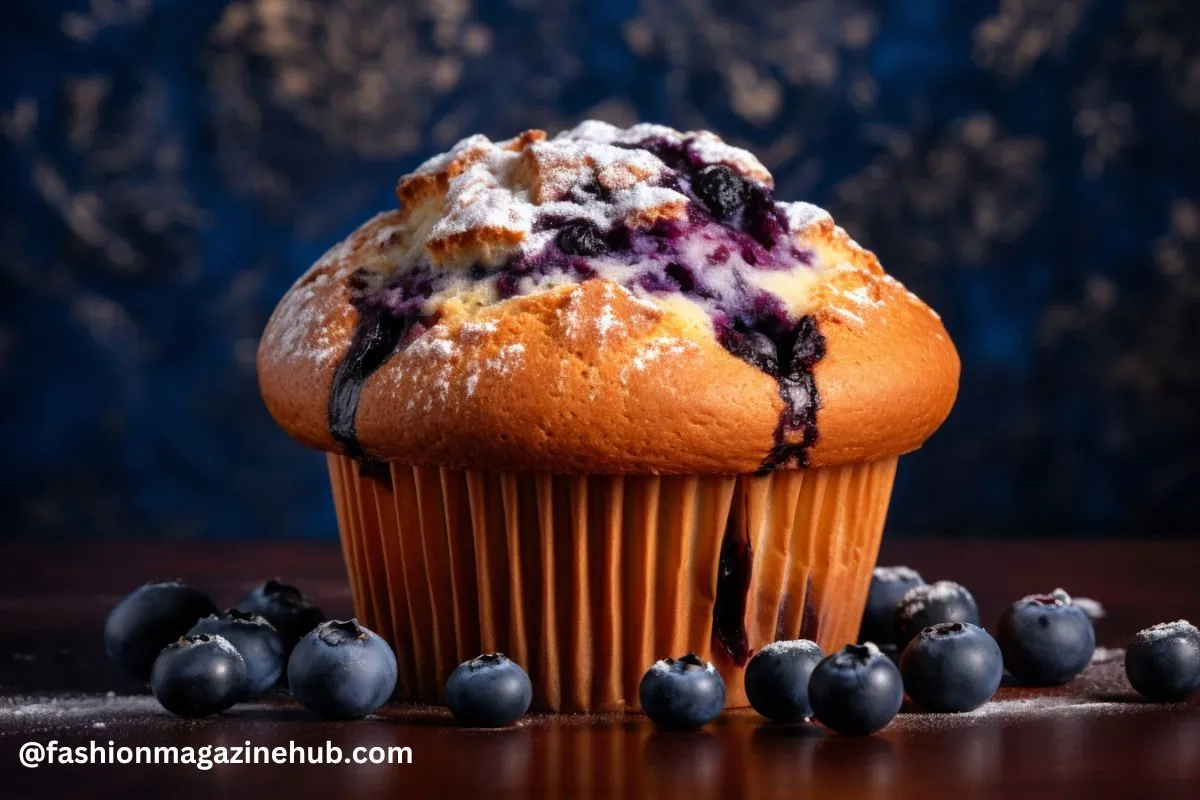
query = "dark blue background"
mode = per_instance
[{"x": 170, "y": 166}]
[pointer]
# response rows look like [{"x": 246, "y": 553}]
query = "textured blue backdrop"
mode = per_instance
[{"x": 168, "y": 167}]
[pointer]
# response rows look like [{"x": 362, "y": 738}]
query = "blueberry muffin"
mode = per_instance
[{"x": 598, "y": 399}]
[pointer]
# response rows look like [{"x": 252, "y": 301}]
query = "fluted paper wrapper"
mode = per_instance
[{"x": 588, "y": 580}]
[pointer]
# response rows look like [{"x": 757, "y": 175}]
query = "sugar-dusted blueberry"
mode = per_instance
[
  {"x": 285, "y": 607},
  {"x": 931, "y": 603},
  {"x": 1163, "y": 661},
  {"x": 150, "y": 618},
  {"x": 198, "y": 676},
  {"x": 682, "y": 693},
  {"x": 489, "y": 691},
  {"x": 581, "y": 237},
  {"x": 721, "y": 190},
  {"x": 951, "y": 666},
  {"x": 888, "y": 585},
  {"x": 776, "y": 679},
  {"x": 1046, "y": 639},
  {"x": 341, "y": 670},
  {"x": 256, "y": 640},
  {"x": 856, "y": 690}
]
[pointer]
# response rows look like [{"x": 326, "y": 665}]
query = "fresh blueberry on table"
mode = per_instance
[
  {"x": 682, "y": 693},
  {"x": 929, "y": 604},
  {"x": 489, "y": 691},
  {"x": 888, "y": 585},
  {"x": 856, "y": 690},
  {"x": 256, "y": 640},
  {"x": 284, "y": 606},
  {"x": 1163, "y": 661},
  {"x": 721, "y": 189},
  {"x": 150, "y": 618},
  {"x": 951, "y": 666},
  {"x": 198, "y": 676},
  {"x": 341, "y": 670},
  {"x": 1046, "y": 639},
  {"x": 776, "y": 679}
]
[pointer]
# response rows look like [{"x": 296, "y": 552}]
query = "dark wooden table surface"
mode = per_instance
[{"x": 1092, "y": 738}]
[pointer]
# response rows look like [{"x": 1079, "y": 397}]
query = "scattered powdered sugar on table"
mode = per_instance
[
  {"x": 1164, "y": 630},
  {"x": 55, "y": 712},
  {"x": 1030, "y": 709},
  {"x": 61, "y": 712},
  {"x": 1103, "y": 655}
]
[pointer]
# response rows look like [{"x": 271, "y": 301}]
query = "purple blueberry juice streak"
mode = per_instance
[
  {"x": 810, "y": 623},
  {"x": 733, "y": 584},
  {"x": 389, "y": 319}
]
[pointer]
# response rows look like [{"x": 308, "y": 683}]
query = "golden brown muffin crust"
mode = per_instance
[{"x": 595, "y": 375}]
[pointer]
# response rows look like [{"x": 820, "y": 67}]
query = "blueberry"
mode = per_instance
[
  {"x": 581, "y": 237},
  {"x": 888, "y": 585},
  {"x": 682, "y": 693},
  {"x": 150, "y": 618},
  {"x": 489, "y": 691},
  {"x": 285, "y": 607},
  {"x": 1046, "y": 639},
  {"x": 198, "y": 675},
  {"x": 1163, "y": 661},
  {"x": 341, "y": 670},
  {"x": 721, "y": 190},
  {"x": 929, "y": 604},
  {"x": 952, "y": 666},
  {"x": 777, "y": 679},
  {"x": 256, "y": 640},
  {"x": 856, "y": 690}
]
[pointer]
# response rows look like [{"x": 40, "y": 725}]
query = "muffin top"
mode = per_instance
[{"x": 605, "y": 301}]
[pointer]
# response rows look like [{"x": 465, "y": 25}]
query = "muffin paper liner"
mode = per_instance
[{"x": 587, "y": 580}]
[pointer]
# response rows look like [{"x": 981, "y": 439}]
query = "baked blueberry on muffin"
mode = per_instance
[{"x": 596, "y": 399}]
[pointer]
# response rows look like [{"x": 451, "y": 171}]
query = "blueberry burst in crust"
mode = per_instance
[{"x": 645, "y": 271}]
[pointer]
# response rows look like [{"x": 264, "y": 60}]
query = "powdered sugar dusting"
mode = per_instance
[
  {"x": 56, "y": 713},
  {"x": 1166, "y": 630},
  {"x": 1018, "y": 711},
  {"x": 918, "y": 598},
  {"x": 802, "y": 216},
  {"x": 1092, "y": 608},
  {"x": 804, "y": 646},
  {"x": 664, "y": 666},
  {"x": 891, "y": 574},
  {"x": 508, "y": 187},
  {"x": 658, "y": 348},
  {"x": 1103, "y": 655},
  {"x": 1059, "y": 597}
]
